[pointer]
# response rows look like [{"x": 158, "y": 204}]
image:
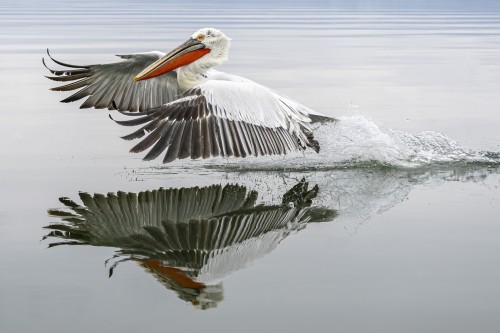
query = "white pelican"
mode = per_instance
[{"x": 188, "y": 108}]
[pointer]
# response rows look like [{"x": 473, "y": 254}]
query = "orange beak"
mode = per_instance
[{"x": 183, "y": 55}]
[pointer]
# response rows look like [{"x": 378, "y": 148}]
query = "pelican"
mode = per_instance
[{"x": 187, "y": 108}]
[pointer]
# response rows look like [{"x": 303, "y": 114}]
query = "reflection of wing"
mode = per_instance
[
  {"x": 189, "y": 238},
  {"x": 107, "y": 220},
  {"x": 108, "y": 83},
  {"x": 224, "y": 118},
  {"x": 192, "y": 245}
]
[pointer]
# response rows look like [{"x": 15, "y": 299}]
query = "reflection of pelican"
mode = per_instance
[
  {"x": 189, "y": 238},
  {"x": 194, "y": 111}
]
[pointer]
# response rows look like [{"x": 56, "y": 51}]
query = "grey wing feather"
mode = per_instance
[
  {"x": 189, "y": 127},
  {"x": 108, "y": 84}
]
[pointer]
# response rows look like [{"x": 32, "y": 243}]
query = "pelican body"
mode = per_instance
[{"x": 189, "y": 109}]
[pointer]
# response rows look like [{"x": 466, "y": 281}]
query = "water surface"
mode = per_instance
[{"x": 392, "y": 227}]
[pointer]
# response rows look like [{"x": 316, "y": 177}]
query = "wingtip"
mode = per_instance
[
  {"x": 45, "y": 65},
  {"x": 135, "y": 135},
  {"x": 50, "y": 56},
  {"x": 316, "y": 146},
  {"x": 135, "y": 151},
  {"x": 65, "y": 64},
  {"x": 113, "y": 104}
]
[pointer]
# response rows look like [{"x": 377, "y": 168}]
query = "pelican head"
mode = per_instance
[{"x": 206, "y": 48}]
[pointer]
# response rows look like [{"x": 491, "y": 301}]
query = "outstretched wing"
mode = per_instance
[
  {"x": 106, "y": 83},
  {"x": 222, "y": 118}
]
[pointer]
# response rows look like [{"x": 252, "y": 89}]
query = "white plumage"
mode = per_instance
[{"x": 188, "y": 108}]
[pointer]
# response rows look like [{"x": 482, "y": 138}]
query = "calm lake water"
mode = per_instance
[{"x": 393, "y": 227}]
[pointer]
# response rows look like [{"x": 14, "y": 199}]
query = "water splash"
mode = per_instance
[{"x": 356, "y": 141}]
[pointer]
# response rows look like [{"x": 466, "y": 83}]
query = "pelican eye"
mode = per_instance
[{"x": 200, "y": 37}]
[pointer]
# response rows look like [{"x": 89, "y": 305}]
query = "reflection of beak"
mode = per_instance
[
  {"x": 174, "y": 274},
  {"x": 184, "y": 54}
]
